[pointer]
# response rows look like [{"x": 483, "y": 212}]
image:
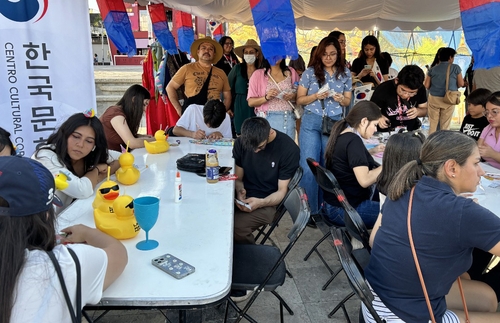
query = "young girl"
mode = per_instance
[
  {"x": 121, "y": 121},
  {"x": 31, "y": 290},
  {"x": 351, "y": 163},
  {"x": 77, "y": 149}
]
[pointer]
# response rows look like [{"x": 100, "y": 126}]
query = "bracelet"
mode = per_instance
[{"x": 265, "y": 97}]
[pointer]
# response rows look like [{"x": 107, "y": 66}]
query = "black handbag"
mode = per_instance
[
  {"x": 194, "y": 163},
  {"x": 327, "y": 123}
]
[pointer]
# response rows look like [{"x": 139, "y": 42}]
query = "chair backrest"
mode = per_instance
[
  {"x": 352, "y": 270},
  {"x": 281, "y": 209},
  {"x": 297, "y": 206},
  {"x": 356, "y": 227},
  {"x": 312, "y": 165}
]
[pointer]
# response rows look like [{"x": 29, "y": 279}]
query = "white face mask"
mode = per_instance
[{"x": 249, "y": 58}]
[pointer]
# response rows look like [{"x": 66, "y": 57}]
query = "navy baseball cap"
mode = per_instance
[{"x": 26, "y": 185}]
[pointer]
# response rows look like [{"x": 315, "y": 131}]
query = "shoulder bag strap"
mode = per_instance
[
  {"x": 78, "y": 285},
  {"x": 448, "y": 76},
  {"x": 270, "y": 76},
  {"x": 63, "y": 286},
  {"x": 420, "y": 276}
]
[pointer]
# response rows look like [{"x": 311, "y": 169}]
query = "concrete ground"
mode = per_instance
[{"x": 302, "y": 292}]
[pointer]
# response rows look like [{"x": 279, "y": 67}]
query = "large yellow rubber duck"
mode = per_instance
[
  {"x": 159, "y": 146},
  {"x": 105, "y": 196},
  {"x": 127, "y": 174},
  {"x": 122, "y": 223}
]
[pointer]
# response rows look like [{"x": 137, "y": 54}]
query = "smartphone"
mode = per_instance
[
  {"x": 243, "y": 203},
  {"x": 173, "y": 266},
  {"x": 368, "y": 67}
]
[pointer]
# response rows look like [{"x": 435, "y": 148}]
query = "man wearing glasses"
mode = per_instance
[{"x": 402, "y": 100}]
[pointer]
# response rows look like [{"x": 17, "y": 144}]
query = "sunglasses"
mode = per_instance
[
  {"x": 107, "y": 190},
  {"x": 130, "y": 205}
]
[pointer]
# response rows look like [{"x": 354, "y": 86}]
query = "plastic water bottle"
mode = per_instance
[
  {"x": 425, "y": 126},
  {"x": 178, "y": 187},
  {"x": 295, "y": 86},
  {"x": 212, "y": 166}
]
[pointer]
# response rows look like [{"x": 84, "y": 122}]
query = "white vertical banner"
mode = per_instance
[{"x": 46, "y": 68}]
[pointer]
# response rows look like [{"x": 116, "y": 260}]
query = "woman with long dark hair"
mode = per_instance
[
  {"x": 445, "y": 228},
  {"x": 352, "y": 165},
  {"x": 271, "y": 91},
  {"x": 121, "y": 122},
  {"x": 228, "y": 60},
  {"x": 239, "y": 77},
  {"x": 365, "y": 66},
  {"x": 78, "y": 149},
  {"x": 327, "y": 68},
  {"x": 29, "y": 254}
]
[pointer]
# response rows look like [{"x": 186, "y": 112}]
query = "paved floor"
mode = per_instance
[{"x": 302, "y": 292}]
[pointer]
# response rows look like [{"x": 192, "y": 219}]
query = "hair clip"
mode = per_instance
[{"x": 90, "y": 113}]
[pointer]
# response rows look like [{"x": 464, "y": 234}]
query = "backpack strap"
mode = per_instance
[{"x": 78, "y": 317}]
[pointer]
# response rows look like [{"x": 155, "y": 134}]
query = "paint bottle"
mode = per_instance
[{"x": 178, "y": 187}]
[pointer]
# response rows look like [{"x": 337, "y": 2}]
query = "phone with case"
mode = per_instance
[{"x": 173, "y": 266}]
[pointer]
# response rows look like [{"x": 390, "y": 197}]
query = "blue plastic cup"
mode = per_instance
[{"x": 146, "y": 211}]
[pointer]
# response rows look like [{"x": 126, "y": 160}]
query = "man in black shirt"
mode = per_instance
[
  {"x": 266, "y": 160},
  {"x": 402, "y": 100}
]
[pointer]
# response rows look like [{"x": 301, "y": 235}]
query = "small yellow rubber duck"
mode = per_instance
[
  {"x": 105, "y": 196},
  {"x": 159, "y": 146},
  {"x": 127, "y": 174},
  {"x": 122, "y": 223},
  {"x": 61, "y": 180}
]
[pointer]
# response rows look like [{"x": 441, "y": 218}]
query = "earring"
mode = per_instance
[
  {"x": 453, "y": 175},
  {"x": 93, "y": 148}
]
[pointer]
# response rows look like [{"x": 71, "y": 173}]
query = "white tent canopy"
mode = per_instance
[{"x": 344, "y": 15}]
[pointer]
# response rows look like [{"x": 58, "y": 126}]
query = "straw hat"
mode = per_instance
[
  {"x": 250, "y": 43},
  {"x": 196, "y": 44}
]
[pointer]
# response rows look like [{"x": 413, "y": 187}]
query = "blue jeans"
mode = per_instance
[
  {"x": 368, "y": 211},
  {"x": 312, "y": 144},
  {"x": 283, "y": 121}
]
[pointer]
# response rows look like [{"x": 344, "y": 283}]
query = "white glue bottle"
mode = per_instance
[{"x": 178, "y": 187}]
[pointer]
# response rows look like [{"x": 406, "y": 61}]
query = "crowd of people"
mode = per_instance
[{"x": 280, "y": 115}]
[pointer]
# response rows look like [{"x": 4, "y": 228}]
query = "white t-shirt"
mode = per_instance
[
  {"x": 192, "y": 120},
  {"x": 38, "y": 294}
]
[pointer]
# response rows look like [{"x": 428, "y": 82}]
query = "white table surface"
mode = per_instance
[
  {"x": 491, "y": 196},
  {"x": 199, "y": 230}
]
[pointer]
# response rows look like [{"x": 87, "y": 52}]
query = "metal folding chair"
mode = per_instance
[
  {"x": 262, "y": 267},
  {"x": 350, "y": 261},
  {"x": 280, "y": 209}
]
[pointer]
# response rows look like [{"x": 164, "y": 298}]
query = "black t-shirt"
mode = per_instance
[
  {"x": 473, "y": 127},
  {"x": 262, "y": 170},
  {"x": 386, "y": 97},
  {"x": 359, "y": 64},
  {"x": 349, "y": 152}
]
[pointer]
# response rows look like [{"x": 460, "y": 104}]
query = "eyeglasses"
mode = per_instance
[
  {"x": 493, "y": 112},
  {"x": 108, "y": 189},
  {"x": 407, "y": 92},
  {"x": 230, "y": 44},
  {"x": 325, "y": 55}
]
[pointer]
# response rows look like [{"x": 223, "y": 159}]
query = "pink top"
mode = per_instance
[
  {"x": 258, "y": 86},
  {"x": 488, "y": 135}
]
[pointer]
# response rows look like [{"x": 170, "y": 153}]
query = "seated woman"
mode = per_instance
[
  {"x": 488, "y": 142},
  {"x": 6, "y": 146},
  {"x": 400, "y": 149},
  {"x": 121, "y": 122},
  {"x": 350, "y": 162},
  {"x": 445, "y": 228},
  {"x": 78, "y": 150},
  {"x": 31, "y": 290}
]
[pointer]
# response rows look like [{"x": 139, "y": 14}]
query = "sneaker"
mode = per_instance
[
  {"x": 238, "y": 295},
  {"x": 311, "y": 223}
]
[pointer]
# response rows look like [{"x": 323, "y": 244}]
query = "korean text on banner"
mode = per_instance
[{"x": 46, "y": 71}]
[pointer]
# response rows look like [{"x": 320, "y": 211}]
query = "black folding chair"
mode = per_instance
[
  {"x": 349, "y": 259},
  {"x": 280, "y": 209},
  {"x": 262, "y": 267},
  {"x": 327, "y": 182}
]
